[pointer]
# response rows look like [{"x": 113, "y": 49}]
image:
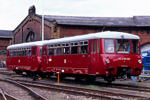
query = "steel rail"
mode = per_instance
[
  {"x": 31, "y": 92},
  {"x": 3, "y": 95},
  {"x": 70, "y": 91},
  {"x": 82, "y": 90},
  {"x": 120, "y": 86}
]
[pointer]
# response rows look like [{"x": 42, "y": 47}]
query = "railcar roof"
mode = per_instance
[
  {"x": 23, "y": 45},
  {"x": 107, "y": 34}
]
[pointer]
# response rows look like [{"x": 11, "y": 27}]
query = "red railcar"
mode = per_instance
[
  {"x": 106, "y": 54},
  {"x": 25, "y": 57}
]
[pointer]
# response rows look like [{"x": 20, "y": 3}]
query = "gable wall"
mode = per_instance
[{"x": 31, "y": 23}]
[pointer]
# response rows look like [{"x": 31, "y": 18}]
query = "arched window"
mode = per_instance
[{"x": 30, "y": 37}]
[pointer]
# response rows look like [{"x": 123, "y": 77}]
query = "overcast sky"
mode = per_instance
[{"x": 12, "y": 12}]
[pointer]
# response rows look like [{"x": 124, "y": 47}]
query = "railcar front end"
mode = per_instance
[{"x": 122, "y": 58}]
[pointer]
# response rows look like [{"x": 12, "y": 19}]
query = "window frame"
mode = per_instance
[
  {"x": 66, "y": 45},
  {"x": 74, "y": 47},
  {"x": 82, "y": 45}
]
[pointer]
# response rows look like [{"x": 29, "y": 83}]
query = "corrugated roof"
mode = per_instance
[
  {"x": 100, "y": 21},
  {"x": 5, "y": 34}
]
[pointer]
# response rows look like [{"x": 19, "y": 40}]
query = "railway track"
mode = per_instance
[
  {"x": 6, "y": 96},
  {"x": 104, "y": 84},
  {"x": 92, "y": 92},
  {"x": 102, "y": 94},
  {"x": 125, "y": 87},
  {"x": 32, "y": 95}
]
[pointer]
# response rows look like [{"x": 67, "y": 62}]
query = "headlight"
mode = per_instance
[
  {"x": 139, "y": 61},
  {"x": 107, "y": 61}
]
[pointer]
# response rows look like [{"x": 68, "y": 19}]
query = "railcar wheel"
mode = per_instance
[
  {"x": 50, "y": 74},
  {"x": 77, "y": 78},
  {"x": 28, "y": 73},
  {"x": 61, "y": 76},
  {"x": 18, "y": 72},
  {"x": 90, "y": 78},
  {"x": 109, "y": 79}
]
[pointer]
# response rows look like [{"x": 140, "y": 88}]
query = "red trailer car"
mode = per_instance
[{"x": 24, "y": 57}]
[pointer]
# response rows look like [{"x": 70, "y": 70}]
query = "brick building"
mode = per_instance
[
  {"x": 63, "y": 26},
  {"x": 5, "y": 40}
]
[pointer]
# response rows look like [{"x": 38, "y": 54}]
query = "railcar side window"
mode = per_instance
[
  {"x": 50, "y": 50},
  {"x": 98, "y": 49},
  {"x": 135, "y": 46},
  {"x": 94, "y": 46},
  {"x": 57, "y": 49},
  {"x": 109, "y": 45},
  {"x": 11, "y": 53},
  {"x": 58, "y": 52},
  {"x": 19, "y": 52},
  {"x": 122, "y": 46},
  {"x": 91, "y": 48},
  {"x": 41, "y": 51},
  {"x": 24, "y": 51},
  {"x": 14, "y": 52},
  {"x": 65, "y": 48},
  {"x": 29, "y": 52},
  {"x": 74, "y": 48},
  {"x": 83, "y": 47}
]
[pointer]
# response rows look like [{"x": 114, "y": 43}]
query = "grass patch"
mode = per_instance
[{"x": 93, "y": 86}]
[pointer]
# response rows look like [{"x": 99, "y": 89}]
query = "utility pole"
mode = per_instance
[{"x": 43, "y": 22}]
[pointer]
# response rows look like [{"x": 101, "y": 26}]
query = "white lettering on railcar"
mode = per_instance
[
  {"x": 65, "y": 61},
  {"x": 123, "y": 58}
]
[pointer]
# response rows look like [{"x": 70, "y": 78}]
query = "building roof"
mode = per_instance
[
  {"x": 142, "y": 20},
  {"x": 135, "y": 21},
  {"x": 5, "y": 34}
]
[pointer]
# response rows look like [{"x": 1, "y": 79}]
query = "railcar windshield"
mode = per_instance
[
  {"x": 122, "y": 46},
  {"x": 135, "y": 46},
  {"x": 109, "y": 46}
]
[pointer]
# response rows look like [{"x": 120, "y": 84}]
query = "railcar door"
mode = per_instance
[
  {"x": 94, "y": 53},
  {"x": 44, "y": 59},
  {"x": 34, "y": 59}
]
